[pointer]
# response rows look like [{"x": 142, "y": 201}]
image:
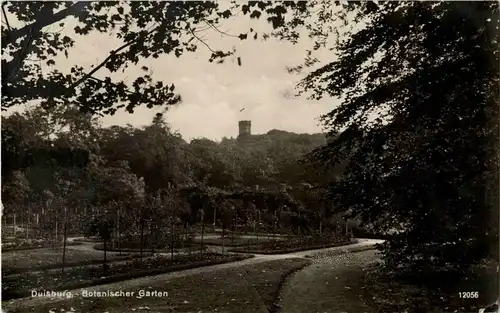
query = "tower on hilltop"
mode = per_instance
[{"x": 245, "y": 128}]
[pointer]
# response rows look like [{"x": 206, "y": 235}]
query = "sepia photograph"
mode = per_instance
[{"x": 240, "y": 156}]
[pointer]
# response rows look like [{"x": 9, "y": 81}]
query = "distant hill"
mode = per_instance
[
  {"x": 303, "y": 141},
  {"x": 277, "y": 155}
]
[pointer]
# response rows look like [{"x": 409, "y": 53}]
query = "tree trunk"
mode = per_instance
[
  {"x": 105, "y": 265},
  {"x": 275, "y": 222},
  {"x": 232, "y": 231},
  {"x": 202, "y": 230},
  {"x": 142, "y": 234},
  {"x": 245, "y": 232},
  {"x": 189, "y": 243},
  {"x": 172, "y": 234},
  {"x": 28, "y": 222},
  {"x": 153, "y": 238},
  {"x": 223, "y": 233},
  {"x": 14, "y": 229},
  {"x": 55, "y": 235},
  {"x": 215, "y": 213},
  {"x": 65, "y": 237},
  {"x": 346, "y": 229},
  {"x": 118, "y": 233},
  {"x": 257, "y": 226}
]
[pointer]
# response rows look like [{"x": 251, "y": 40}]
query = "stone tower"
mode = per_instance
[{"x": 245, "y": 128}]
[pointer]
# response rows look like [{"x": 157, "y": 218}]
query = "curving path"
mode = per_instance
[
  {"x": 332, "y": 284},
  {"x": 145, "y": 281}
]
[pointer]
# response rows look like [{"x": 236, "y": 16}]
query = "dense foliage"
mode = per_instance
[
  {"x": 420, "y": 90},
  {"x": 147, "y": 30},
  {"x": 143, "y": 181}
]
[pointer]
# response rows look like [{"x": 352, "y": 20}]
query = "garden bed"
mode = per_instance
[
  {"x": 282, "y": 247},
  {"x": 237, "y": 241},
  {"x": 42, "y": 259},
  {"x": 192, "y": 247},
  {"x": 79, "y": 277},
  {"x": 34, "y": 246},
  {"x": 251, "y": 233},
  {"x": 134, "y": 243}
]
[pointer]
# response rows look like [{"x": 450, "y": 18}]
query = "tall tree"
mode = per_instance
[
  {"x": 15, "y": 194},
  {"x": 420, "y": 90}
]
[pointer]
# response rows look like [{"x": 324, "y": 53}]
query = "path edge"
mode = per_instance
[{"x": 276, "y": 306}]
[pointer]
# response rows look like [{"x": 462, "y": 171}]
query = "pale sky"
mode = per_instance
[{"x": 213, "y": 94}]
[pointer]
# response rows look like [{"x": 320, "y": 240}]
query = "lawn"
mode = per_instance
[
  {"x": 23, "y": 260},
  {"x": 252, "y": 288},
  {"x": 387, "y": 294}
]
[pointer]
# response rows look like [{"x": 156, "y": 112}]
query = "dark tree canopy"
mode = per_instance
[
  {"x": 426, "y": 166},
  {"x": 148, "y": 29}
]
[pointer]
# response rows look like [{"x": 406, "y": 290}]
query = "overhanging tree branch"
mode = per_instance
[
  {"x": 111, "y": 54},
  {"x": 218, "y": 30},
  {"x": 203, "y": 42},
  {"x": 40, "y": 23},
  {"x": 13, "y": 67},
  {"x": 33, "y": 32},
  {"x": 5, "y": 17}
]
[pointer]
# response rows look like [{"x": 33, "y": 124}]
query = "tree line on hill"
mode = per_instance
[{"x": 62, "y": 169}]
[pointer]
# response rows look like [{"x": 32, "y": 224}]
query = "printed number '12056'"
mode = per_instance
[{"x": 469, "y": 295}]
